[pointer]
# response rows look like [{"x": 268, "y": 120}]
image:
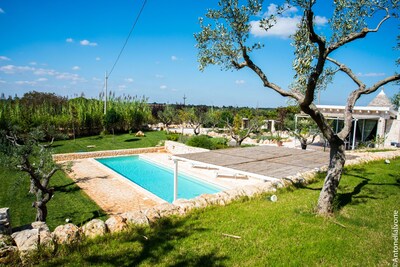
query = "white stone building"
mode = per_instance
[{"x": 378, "y": 122}]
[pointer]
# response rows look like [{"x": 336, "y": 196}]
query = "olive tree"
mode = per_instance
[
  {"x": 167, "y": 116},
  {"x": 225, "y": 40},
  {"x": 33, "y": 157}
]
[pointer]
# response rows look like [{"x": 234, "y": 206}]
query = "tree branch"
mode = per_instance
[
  {"x": 319, "y": 118},
  {"x": 314, "y": 38},
  {"x": 357, "y": 35},
  {"x": 346, "y": 70},
  {"x": 250, "y": 64}
]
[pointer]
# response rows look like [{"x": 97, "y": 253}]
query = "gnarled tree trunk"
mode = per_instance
[{"x": 336, "y": 163}]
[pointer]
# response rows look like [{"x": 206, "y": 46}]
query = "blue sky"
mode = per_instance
[{"x": 66, "y": 47}]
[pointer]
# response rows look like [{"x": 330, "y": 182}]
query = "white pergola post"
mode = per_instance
[
  {"x": 353, "y": 145},
  {"x": 175, "y": 179}
]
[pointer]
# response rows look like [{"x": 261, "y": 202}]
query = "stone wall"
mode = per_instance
[
  {"x": 393, "y": 129},
  {"x": 5, "y": 224},
  {"x": 179, "y": 148},
  {"x": 107, "y": 153}
]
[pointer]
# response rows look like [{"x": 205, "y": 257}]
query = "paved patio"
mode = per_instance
[{"x": 270, "y": 161}]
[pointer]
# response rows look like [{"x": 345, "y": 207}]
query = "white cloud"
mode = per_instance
[
  {"x": 2, "y": 81},
  {"x": 163, "y": 87},
  {"x": 121, "y": 87},
  {"x": 41, "y": 72},
  {"x": 76, "y": 68},
  {"x": 11, "y": 69},
  {"x": 273, "y": 8},
  {"x": 286, "y": 23},
  {"x": 284, "y": 27},
  {"x": 87, "y": 43},
  {"x": 25, "y": 83},
  {"x": 4, "y": 58},
  {"x": 129, "y": 80},
  {"x": 98, "y": 58},
  {"x": 68, "y": 76},
  {"x": 2, "y": 11},
  {"x": 159, "y": 76},
  {"x": 371, "y": 74},
  {"x": 69, "y": 40},
  {"x": 33, "y": 63},
  {"x": 174, "y": 58},
  {"x": 320, "y": 21},
  {"x": 240, "y": 82}
]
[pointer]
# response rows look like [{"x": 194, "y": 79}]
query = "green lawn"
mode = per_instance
[
  {"x": 284, "y": 233},
  {"x": 108, "y": 142},
  {"x": 68, "y": 202}
]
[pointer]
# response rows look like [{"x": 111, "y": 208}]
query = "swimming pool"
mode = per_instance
[{"x": 157, "y": 179}]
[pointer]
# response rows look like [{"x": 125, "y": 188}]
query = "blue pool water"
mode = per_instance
[{"x": 156, "y": 179}]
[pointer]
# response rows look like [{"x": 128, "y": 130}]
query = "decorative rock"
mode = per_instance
[
  {"x": 235, "y": 193},
  {"x": 116, "y": 224},
  {"x": 199, "y": 202},
  {"x": 45, "y": 237},
  {"x": 94, "y": 228},
  {"x": 152, "y": 215},
  {"x": 167, "y": 209},
  {"x": 222, "y": 198},
  {"x": 139, "y": 134},
  {"x": 265, "y": 187},
  {"x": 184, "y": 205},
  {"x": 26, "y": 240},
  {"x": 135, "y": 217},
  {"x": 66, "y": 234},
  {"x": 8, "y": 250},
  {"x": 251, "y": 190},
  {"x": 211, "y": 199},
  {"x": 5, "y": 224}
]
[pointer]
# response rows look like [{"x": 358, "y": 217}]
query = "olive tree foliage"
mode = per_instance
[
  {"x": 224, "y": 40},
  {"x": 237, "y": 130},
  {"x": 194, "y": 117},
  {"x": 306, "y": 132},
  {"x": 31, "y": 156},
  {"x": 167, "y": 116}
]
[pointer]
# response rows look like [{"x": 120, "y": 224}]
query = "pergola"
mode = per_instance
[{"x": 365, "y": 118}]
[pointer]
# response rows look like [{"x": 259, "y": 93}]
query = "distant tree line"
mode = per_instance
[{"x": 60, "y": 117}]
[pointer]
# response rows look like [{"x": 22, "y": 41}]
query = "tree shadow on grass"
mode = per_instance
[
  {"x": 155, "y": 246},
  {"x": 343, "y": 199},
  {"x": 80, "y": 219},
  {"x": 132, "y": 140},
  {"x": 67, "y": 188}
]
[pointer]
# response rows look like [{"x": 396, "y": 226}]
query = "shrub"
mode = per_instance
[
  {"x": 202, "y": 141},
  {"x": 173, "y": 137},
  {"x": 219, "y": 142}
]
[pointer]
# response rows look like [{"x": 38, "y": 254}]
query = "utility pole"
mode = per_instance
[
  {"x": 105, "y": 94},
  {"x": 184, "y": 100}
]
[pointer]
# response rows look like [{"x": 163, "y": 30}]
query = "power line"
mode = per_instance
[{"x": 127, "y": 38}]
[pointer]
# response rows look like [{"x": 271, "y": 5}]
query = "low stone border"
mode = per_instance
[{"x": 105, "y": 153}]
